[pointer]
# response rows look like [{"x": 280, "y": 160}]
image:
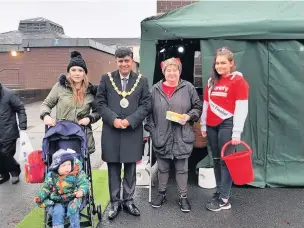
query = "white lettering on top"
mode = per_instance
[{"x": 221, "y": 88}]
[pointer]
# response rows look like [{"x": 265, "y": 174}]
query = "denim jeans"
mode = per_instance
[
  {"x": 58, "y": 212},
  {"x": 217, "y": 137}
]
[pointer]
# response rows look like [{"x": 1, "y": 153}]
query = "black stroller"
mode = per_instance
[{"x": 70, "y": 135}]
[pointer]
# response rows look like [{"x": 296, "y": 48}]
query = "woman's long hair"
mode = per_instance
[
  {"x": 215, "y": 76},
  {"x": 79, "y": 94}
]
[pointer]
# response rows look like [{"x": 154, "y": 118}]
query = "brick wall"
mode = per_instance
[
  {"x": 40, "y": 67},
  {"x": 163, "y": 6}
]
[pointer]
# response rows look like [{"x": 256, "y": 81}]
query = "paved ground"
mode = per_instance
[
  {"x": 251, "y": 208},
  {"x": 16, "y": 201}
]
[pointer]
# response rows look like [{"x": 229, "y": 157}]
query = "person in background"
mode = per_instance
[
  {"x": 73, "y": 96},
  {"x": 173, "y": 141},
  {"x": 124, "y": 101},
  {"x": 10, "y": 105},
  {"x": 225, "y": 110}
]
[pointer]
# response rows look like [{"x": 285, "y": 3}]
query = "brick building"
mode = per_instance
[
  {"x": 38, "y": 52},
  {"x": 164, "y": 6},
  {"x": 39, "y": 67}
]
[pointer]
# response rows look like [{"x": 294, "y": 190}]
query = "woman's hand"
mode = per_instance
[
  {"x": 235, "y": 141},
  {"x": 49, "y": 121},
  {"x": 185, "y": 119},
  {"x": 204, "y": 134},
  {"x": 85, "y": 121}
]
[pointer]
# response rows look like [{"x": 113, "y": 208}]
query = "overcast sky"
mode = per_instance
[{"x": 91, "y": 18}]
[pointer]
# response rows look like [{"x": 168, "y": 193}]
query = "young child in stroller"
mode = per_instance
[{"x": 63, "y": 190}]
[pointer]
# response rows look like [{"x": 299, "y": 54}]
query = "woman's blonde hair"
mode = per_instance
[
  {"x": 79, "y": 94},
  {"x": 224, "y": 51}
]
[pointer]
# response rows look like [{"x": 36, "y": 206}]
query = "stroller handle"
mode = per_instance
[{"x": 84, "y": 128}]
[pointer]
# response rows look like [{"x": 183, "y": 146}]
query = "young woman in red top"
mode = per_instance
[{"x": 224, "y": 113}]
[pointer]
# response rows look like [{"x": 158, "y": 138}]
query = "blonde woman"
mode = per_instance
[{"x": 73, "y": 97}]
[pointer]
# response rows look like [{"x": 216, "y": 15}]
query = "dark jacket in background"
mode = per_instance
[
  {"x": 10, "y": 105},
  {"x": 171, "y": 139}
]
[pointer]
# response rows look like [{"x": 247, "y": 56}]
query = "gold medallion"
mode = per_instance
[{"x": 124, "y": 103}]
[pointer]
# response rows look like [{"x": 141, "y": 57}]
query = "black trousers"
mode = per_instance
[
  {"x": 8, "y": 164},
  {"x": 128, "y": 182}
]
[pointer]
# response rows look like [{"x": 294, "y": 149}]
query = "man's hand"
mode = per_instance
[
  {"x": 235, "y": 141},
  {"x": 185, "y": 119},
  {"x": 125, "y": 123},
  {"x": 117, "y": 123},
  {"x": 79, "y": 194}
]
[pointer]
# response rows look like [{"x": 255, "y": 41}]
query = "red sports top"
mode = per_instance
[
  {"x": 168, "y": 90},
  {"x": 225, "y": 93}
]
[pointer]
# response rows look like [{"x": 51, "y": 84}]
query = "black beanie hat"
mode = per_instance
[{"x": 77, "y": 60}]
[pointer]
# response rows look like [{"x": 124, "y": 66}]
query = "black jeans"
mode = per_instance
[
  {"x": 8, "y": 164},
  {"x": 217, "y": 137}
]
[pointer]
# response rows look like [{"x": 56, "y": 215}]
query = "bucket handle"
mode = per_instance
[{"x": 228, "y": 143}]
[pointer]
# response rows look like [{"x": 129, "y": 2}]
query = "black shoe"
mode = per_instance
[
  {"x": 215, "y": 196},
  {"x": 15, "y": 180},
  {"x": 184, "y": 204},
  {"x": 4, "y": 178},
  {"x": 114, "y": 211},
  {"x": 159, "y": 200},
  {"x": 132, "y": 209},
  {"x": 218, "y": 205}
]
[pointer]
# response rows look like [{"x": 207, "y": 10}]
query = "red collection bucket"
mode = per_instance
[{"x": 239, "y": 164}]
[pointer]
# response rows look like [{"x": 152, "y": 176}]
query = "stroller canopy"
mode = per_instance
[{"x": 65, "y": 131}]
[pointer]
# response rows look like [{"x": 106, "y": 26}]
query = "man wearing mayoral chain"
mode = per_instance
[{"x": 124, "y": 101}]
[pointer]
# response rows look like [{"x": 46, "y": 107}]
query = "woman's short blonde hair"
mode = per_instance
[{"x": 171, "y": 61}]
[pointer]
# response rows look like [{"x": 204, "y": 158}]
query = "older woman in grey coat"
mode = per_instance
[{"x": 173, "y": 140}]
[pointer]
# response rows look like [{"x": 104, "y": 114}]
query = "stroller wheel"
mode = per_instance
[{"x": 99, "y": 212}]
